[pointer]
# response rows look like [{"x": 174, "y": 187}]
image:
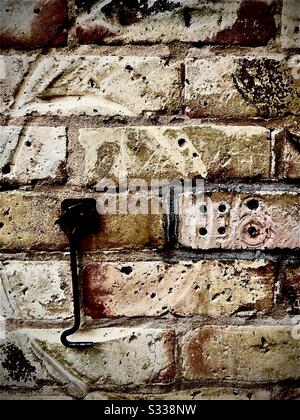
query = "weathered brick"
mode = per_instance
[
  {"x": 32, "y": 154},
  {"x": 21, "y": 366},
  {"x": 12, "y": 72},
  {"x": 99, "y": 85},
  {"x": 205, "y": 394},
  {"x": 119, "y": 357},
  {"x": 287, "y": 149},
  {"x": 291, "y": 285},
  {"x": 168, "y": 153},
  {"x": 252, "y": 354},
  {"x": 36, "y": 290},
  {"x": 27, "y": 221},
  {"x": 240, "y": 221},
  {"x": 290, "y": 24},
  {"x": 33, "y": 23},
  {"x": 208, "y": 288},
  {"x": 241, "y": 22},
  {"x": 227, "y": 85}
]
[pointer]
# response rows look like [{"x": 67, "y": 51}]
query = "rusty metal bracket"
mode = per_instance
[{"x": 79, "y": 220}]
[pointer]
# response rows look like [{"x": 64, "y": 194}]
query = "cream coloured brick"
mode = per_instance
[
  {"x": 208, "y": 288},
  {"x": 120, "y": 356},
  {"x": 36, "y": 290},
  {"x": 28, "y": 221},
  {"x": 32, "y": 154},
  {"x": 168, "y": 153},
  {"x": 12, "y": 71},
  {"x": 253, "y": 354},
  {"x": 98, "y": 85},
  {"x": 290, "y": 24},
  {"x": 228, "y": 85}
]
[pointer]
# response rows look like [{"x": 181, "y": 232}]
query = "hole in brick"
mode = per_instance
[
  {"x": 153, "y": 295},
  {"x": 28, "y": 144},
  {"x": 1, "y": 225},
  {"x": 37, "y": 10},
  {"x": 187, "y": 17},
  {"x": 222, "y": 231},
  {"x": 297, "y": 29},
  {"x": 129, "y": 68},
  {"x": 203, "y": 209},
  {"x": 203, "y": 231},
  {"x": 181, "y": 142},
  {"x": 222, "y": 208},
  {"x": 195, "y": 155},
  {"x": 253, "y": 204},
  {"x": 6, "y": 169},
  {"x": 252, "y": 231},
  {"x": 91, "y": 82},
  {"x": 126, "y": 270}
]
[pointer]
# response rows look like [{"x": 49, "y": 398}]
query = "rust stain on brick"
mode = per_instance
[
  {"x": 16, "y": 364},
  {"x": 287, "y": 150},
  {"x": 196, "y": 350},
  {"x": 93, "y": 34},
  {"x": 167, "y": 375},
  {"x": 48, "y": 27},
  {"x": 254, "y": 27},
  {"x": 94, "y": 280},
  {"x": 265, "y": 272},
  {"x": 291, "y": 284}
]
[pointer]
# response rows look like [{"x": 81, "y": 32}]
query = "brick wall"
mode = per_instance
[{"x": 199, "y": 303}]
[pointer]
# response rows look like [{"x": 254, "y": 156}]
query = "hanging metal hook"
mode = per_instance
[{"x": 79, "y": 220}]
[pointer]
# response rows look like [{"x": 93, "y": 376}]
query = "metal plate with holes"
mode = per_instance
[{"x": 239, "y": 221}]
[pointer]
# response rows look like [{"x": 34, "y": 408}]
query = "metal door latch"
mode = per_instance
[{"x": 79, "y": 220}]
